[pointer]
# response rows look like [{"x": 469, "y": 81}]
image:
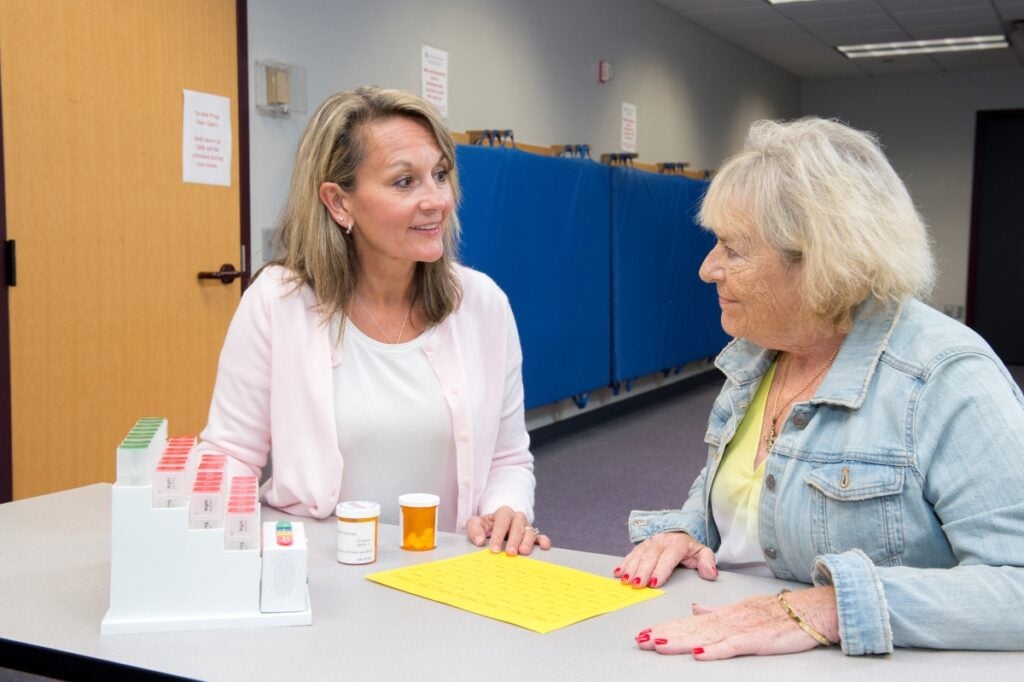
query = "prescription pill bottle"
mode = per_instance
[
  {"x": 357, "y": 532},
  {"x": 418, "y": 520}
]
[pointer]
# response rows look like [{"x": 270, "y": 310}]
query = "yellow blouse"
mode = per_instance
[{"x": 736, "y": 490}]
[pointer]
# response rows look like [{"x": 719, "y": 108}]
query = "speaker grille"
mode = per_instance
[{"x": 283, "y": 575}]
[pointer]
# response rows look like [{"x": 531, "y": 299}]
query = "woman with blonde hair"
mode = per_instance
[
  {"x": 367, "y": 362},
  {"x": 863, "y": 443}
]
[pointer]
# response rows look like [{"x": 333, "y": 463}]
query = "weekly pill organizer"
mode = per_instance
[{"x": 188, "y": 549}]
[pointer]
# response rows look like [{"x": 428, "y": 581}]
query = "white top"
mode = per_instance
[{"x": 394, "y": 425}]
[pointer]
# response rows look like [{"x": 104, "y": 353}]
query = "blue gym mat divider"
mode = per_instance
[
  {"x": 663, "y": 315},
  {"x": 540, "y": 227}
]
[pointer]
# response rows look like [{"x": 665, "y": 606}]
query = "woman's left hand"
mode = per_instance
[
  {"x": 755, "y": 626},
  {"x": 506, "y": 524}
]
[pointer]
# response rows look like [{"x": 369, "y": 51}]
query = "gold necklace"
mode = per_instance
[
  {"x": 772, "y": 434},
  {"x": 377, "y": 324}
]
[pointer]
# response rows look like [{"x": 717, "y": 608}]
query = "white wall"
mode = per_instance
[
  {"x": 528, "y": 65},
  {"x": 926, "y": 123}
]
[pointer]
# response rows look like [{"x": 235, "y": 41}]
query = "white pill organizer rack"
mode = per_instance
[{"x": 188, "y": 550}]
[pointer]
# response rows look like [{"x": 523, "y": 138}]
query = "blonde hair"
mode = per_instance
[
  {"x": 316, "y": 250},
  {"x": 825, "y": 197}
]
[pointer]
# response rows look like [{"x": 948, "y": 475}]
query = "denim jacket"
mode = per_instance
[{"x": 900, "y": 483}]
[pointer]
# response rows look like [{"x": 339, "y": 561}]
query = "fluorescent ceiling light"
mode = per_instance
[
  {"x": 783, "y": 2},
  {"x": 993, "y": 42}
]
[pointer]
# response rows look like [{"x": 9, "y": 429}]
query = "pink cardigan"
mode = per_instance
[{"x": 274, "y": 393}]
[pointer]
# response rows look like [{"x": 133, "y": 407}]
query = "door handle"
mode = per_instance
[{"x": 227, "y": 274}]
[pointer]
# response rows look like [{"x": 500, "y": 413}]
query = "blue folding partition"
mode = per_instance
[
  {"x": 663, "y": 315},
  {"x": 540, "y": 227}
]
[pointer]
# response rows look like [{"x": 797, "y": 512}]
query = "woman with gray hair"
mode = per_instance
[
  {"x": 367, "y": 360},
  {"x": 863, "y": 443}
]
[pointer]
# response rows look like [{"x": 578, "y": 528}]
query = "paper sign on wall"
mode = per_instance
[
  {"x": 434, "y": 84},
  {"x": 628, "y": 127},
  {"x": 206, "y": 139}
]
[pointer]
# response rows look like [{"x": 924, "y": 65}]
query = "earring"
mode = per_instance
[{"x": 348, "y": 229}]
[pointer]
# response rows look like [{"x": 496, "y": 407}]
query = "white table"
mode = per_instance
[{"x": 54, "y": 585}]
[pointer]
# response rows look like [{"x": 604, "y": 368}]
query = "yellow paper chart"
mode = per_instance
[{"x": 526, "y": 592}]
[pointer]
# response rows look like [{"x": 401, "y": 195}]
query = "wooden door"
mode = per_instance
[{"x": 108, "y": 321}]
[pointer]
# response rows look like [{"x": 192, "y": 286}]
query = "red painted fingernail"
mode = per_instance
[
  {"x": 625, "y": 576},
  {"x": 643, "y": 632},
  {"x": 636, "y": 581},
  {"x": 653, "y": 582},
  {"x": 698, "y": 651},
  {"x": 661, "y": 641},
  {"x": 618, "y": 569},
  {"x": 643, "y": 638}
]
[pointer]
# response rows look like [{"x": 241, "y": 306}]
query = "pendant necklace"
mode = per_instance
[
  {"x": 377, "y": 324},
  {"x": 772, "y": 434}
]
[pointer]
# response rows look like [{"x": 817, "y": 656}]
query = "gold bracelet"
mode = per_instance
[{"x": 806, "y": 627}]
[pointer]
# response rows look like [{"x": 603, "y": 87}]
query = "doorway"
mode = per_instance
[{"x": 995, "y": 302}]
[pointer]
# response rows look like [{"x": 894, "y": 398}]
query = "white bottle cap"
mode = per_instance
[
  {"x": 418, "y": 500},
  {"x": 357, "y": 510}
]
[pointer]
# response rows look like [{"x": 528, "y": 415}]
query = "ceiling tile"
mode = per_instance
[
  {"x": 803, "y": 56},
  {"x": 960, "y": 31},
  {"x": 855, "y": 37},
  {"x": 873, "y": 28},
  {"x": 952, "y": 22},
  {"x": 688, "y": 6},
  {"x": 863, "y": 22},
  {"x": 829, "y": 9},
  {"x": 985, "y": 59},
  {"x": 895, "y": 6},
  {"x": 763, "y": 14},
  {"x": 1010, "y": 9},
  {"x": 741, "y": 34},
  {"x": 799, "y": 37},
  {"x": 895, "y": 65}
]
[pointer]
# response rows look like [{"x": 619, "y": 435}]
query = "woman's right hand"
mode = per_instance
[{"x": 653, "y": 560}]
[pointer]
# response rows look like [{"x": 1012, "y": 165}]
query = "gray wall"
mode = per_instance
[
  {"x": 926, "y": 123},
  {"x": 529, "y": 65}
]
